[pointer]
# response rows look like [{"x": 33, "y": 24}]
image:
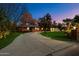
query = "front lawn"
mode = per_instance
[
  {"x": 56, "y": 35},
  {"x": 6, "y": 41}
]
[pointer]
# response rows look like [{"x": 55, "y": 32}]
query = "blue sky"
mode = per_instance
[{"x": 58, "y": 11}]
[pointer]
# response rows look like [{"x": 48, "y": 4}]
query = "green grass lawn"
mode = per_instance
[
  {"x": 6, "y": 41},
  {"x": 56, "y": 35}
]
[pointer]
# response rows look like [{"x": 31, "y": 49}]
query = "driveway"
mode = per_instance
[{"x": 34, "y": 44}]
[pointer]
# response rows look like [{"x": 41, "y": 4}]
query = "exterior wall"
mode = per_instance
[
  {"x": 22, "y": 29},
  {"x": 54, "y": 29},
  {"x": 36, "y": 29}
]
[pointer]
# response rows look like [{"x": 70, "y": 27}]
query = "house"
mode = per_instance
[{"x": 27, "y": 23}]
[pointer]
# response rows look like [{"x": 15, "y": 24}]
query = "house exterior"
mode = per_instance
[{"x": 28, "y": 24}]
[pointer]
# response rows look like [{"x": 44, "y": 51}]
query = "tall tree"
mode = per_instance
[
  {"x": 76, "y": 20},
  {"x": 67, "y": 21},
  {"x": 12, "y": 12},
  {"x": 60, "y": 26},
  {"x": 45, "y": 22},
  {"x": 54, "y": 24},
  {"x": 4, "y": 22}
]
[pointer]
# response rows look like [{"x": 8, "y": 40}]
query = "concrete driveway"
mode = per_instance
[{"x": 34, "y": 44}]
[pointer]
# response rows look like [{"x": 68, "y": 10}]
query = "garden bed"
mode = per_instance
[{"x": 9, "y": 38}]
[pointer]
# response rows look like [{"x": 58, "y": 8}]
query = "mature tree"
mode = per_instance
[
  {"x": 68, "y": 26},
  {"x": 45, "y": 22},
  {"x": 67, "y": 21},
  {"x": 11, "y": 12},
  {"x": 60, "y": 26},
  {"x": 76, "y": 19},
  {"x": 54, "y": 24},
  {"x": 4, "y": 22},
  {"x": 41, "y": 20},
  {"x": 14, "y": 10}
]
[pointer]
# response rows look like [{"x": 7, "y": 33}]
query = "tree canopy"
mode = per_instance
[
  {"x": 45, "y": 22},
  {"x": 76, "y": 19},
  {"x": 10, "y": 14}
]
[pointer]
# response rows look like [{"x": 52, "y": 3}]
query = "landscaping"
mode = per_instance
[
  {"x": 56, "y": 35},
  {"x": 9, "y": 39},
  {"x": 13, "y": 22}
]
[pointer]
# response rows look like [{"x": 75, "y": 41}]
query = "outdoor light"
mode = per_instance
[
  {"x": 74, "y": 28},
  {"x": 27, "y": 28}
]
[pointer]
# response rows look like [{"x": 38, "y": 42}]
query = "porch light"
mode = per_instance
[{"x": 74, "y": 28}]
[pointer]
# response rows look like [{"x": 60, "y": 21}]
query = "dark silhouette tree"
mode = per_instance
[
  {"x": 54, "y": 25},
  {"x": 59, "y": 26},
  {"x": 4, "y": 22},
  {"x": 76, "y": 19},
  {"x": 67, "y": 21},
  {"x": 45, "y": 22},
  {"x": 12, "y": 12},
  {"x": 68, "y": 26}
]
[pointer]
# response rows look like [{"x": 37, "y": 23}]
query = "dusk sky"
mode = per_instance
[{"x": 58, "y": 11}]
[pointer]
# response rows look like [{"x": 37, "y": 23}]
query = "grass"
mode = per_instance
[
  {"x": 56, "y": 35},
  {"x": 9, "y": 39}
]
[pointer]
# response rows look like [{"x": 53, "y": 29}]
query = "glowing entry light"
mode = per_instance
[
  {"x": 74, "y": 28},
  {"x": 27, "y": 28}
]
